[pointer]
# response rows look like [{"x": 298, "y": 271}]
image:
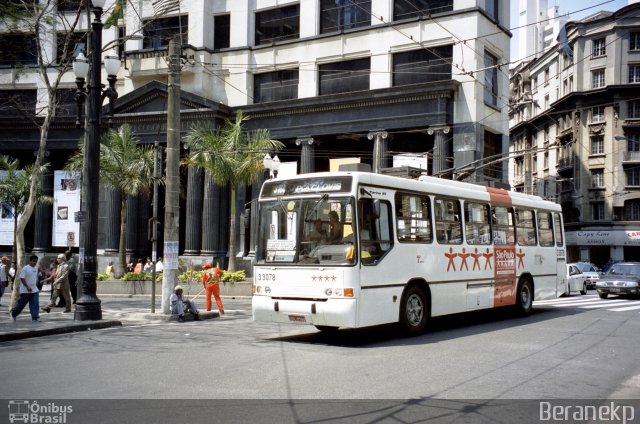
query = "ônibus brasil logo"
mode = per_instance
[{"x": 24, "y": 411}]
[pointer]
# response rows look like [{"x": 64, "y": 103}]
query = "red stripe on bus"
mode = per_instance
[{"x": 499, "y": 196}]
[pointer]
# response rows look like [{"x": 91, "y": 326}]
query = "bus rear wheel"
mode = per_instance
[
  {"x": 524, "y": 297},
  {"x": 414, "y": 311}
]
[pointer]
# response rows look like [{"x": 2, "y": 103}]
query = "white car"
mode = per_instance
[
  {"x": 590, "y": 272},
  {"x": 575, "y": 280}
]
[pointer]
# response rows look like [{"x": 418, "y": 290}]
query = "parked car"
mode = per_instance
[
  {"x": 575, "y": 280},
  {"x": 623, "y": 278},
  {"x": 591, "y": 273}
]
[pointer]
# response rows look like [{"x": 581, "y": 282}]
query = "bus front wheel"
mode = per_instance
[
  {"x": 414, "y": 311},
  {"x": 524, "y": 297}
]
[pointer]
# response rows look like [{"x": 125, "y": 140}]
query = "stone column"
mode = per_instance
[
  {"x": 112, "y": 218},
  {"x": 132, "y": 230},
  {"x": 44, "y": 215},
  {"x": 440, "y": 151},
  {"x": 210, "y": 215},
  {"x": 380, "y": 159},
  {"x": 224, "y": 213},
  {"x": 142, "y": 223},
  {"x": 307, "y": 155},
  {"x": 193, "y": 230}
]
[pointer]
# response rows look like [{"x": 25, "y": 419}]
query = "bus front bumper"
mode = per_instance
[{"x": 338, "y": 312}]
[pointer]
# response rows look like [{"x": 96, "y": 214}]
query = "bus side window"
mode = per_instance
[
  {"x": 525, "y": 227},
  {"x": 476, "y": 223},
  {"x": 448, "y": 223},
  {"x": 503, "y": 225},
  {"x": 557, "y": 219},
  {"x": 413, "y": 218},
  {"x": 545, "y": 229}
]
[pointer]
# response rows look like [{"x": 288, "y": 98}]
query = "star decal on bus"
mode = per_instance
[{"x": 321, "y": 278}]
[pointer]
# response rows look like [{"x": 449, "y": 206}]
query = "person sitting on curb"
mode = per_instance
[{"x": 180, "y": 305}]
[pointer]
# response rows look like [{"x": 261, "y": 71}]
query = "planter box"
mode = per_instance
[{"x": 242, "y": 288}]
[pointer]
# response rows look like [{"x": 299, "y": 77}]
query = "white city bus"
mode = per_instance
[{"x": 400, "y": 250}]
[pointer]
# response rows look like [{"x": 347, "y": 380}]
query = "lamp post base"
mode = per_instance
[{"x": 88, "y": 313}]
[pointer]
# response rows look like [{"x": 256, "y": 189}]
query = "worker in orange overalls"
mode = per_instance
[{"x": 211, "y": 283}]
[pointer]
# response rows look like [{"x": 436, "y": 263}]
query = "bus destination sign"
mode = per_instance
[{"x": 307, "y": 186}]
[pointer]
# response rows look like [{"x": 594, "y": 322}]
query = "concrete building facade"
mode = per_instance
[{"x": 575, "y": 133}]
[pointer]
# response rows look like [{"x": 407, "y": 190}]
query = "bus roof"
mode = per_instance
[{"x": 441, "y": 186}]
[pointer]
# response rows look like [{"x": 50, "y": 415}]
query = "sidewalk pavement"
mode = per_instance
[{"x": 117, "y": 311}]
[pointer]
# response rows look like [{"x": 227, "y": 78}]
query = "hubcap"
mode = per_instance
[
  {"x": 525, "y": 296},
  {"x": 415, "y": 309}
]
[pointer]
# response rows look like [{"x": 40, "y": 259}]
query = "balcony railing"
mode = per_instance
[{"x": 631, "y": 157}]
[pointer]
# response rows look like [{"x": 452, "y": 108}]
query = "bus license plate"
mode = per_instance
[{"x": 297, "y": 318}]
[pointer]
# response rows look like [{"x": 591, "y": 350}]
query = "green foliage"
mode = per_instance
[
  {"x": 102, "y": 277},
  {"x": 227, "y": 277},
  {"x": 141, "y": 276},
  {"x": 233, "y": 277},
  {"x": 16, "y": 184}
]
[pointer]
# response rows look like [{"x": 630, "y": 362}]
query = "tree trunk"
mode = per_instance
[
  {"x": 232, "y": 231},
  {"x": 122, "y": 244}
]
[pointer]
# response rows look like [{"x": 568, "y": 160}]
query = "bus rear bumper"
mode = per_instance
[{"x": 330, "y": 312}]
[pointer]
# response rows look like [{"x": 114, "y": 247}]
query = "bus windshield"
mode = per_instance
[{"x": 309, "y": 230}]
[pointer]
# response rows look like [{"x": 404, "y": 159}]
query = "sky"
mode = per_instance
[{"x": 566, "y": 6}]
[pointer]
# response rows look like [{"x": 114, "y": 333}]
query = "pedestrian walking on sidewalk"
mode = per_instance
[
  {"x": 29, "y": 292},
  {"x": 180, "y": 305},
  {"x": 4, "y": 275},
  {"x": 211, "y": 283},
  {"x": 60, "y": 285},
  {"x": 73, "y": 274}
]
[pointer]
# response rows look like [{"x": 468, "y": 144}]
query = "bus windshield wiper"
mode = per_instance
[{"x": 324, "y": 198}]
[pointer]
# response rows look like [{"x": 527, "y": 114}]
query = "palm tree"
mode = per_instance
[
  {"x": 231, "y": 155},
  {"x": 127, "y": 167},
  {"x": 15, "y": 188}
]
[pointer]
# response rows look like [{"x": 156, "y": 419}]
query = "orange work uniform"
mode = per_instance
[{"x": 211, "y": 282}]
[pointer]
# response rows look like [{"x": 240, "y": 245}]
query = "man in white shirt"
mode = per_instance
[
  {"x": 29, "y": 292},
  {"x": 159, "y": 265}
]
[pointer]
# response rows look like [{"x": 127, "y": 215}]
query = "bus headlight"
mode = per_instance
[
  {"x": 267, "y": 289},
  {"x": 339, "y": 292},
  {"x": 328, "y": 292}
]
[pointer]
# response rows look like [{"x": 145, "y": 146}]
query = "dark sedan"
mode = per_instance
[{"x": 622, "y": 278}]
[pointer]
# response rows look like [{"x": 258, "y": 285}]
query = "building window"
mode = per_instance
[
  {"x": 18, "y": 103},
  {"x": 66, "y": 104},
  {"x": 272, "y": 86},
  {"x": 634, "y": 73},
  {"x": 405, "y": 9},
  {"x": 493, "y": 9},
  {"x": 597, "y": 178},
  {"x": 597, "y": 114},
  {"x": 597, "y": 145},
  {"x": 278, "y": 24},
  {"x": 598, "y": 47},
  {"x": 69, "y": 5},
  {"x": 633, "y": 143},
  {"x": 545, "y": 160},
  {"x": 597, "y": 211},
  {"x": 338, "y": 15},
  {"x": 597, "y": 78},
  {"x": 158, "y": 32},
  {"x": 424, "y": 65},
  {"x": 546, "y": 76},
  {"x": 490, "y": 79},
  {"x": 633, "y": 109},
  {"x": 634, "y": 41},
  {"x": 632, "y": 210},
  {"x": 546, "y": 102},
  {"x": 18, "y": 49},
  {"x": 222, "y": 31},
  {"x": 344, "y": 77},
  {"x": 633, "y": 176},
  {"x": 69, "y": 45}
]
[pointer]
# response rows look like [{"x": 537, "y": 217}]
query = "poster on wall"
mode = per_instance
[
  {"x": 66, "y": 202},
  {"x": 6, "y": 220}
]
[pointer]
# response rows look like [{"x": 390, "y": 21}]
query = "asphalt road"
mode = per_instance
[{"x": 563, "y": 350}]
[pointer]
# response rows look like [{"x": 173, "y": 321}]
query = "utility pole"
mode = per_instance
[{"x": 171, "y": 204}]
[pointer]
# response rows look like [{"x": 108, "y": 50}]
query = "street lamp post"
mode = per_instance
[
  {"x": 273, "y": 165},
  {"x": 88, "y": 304}
]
